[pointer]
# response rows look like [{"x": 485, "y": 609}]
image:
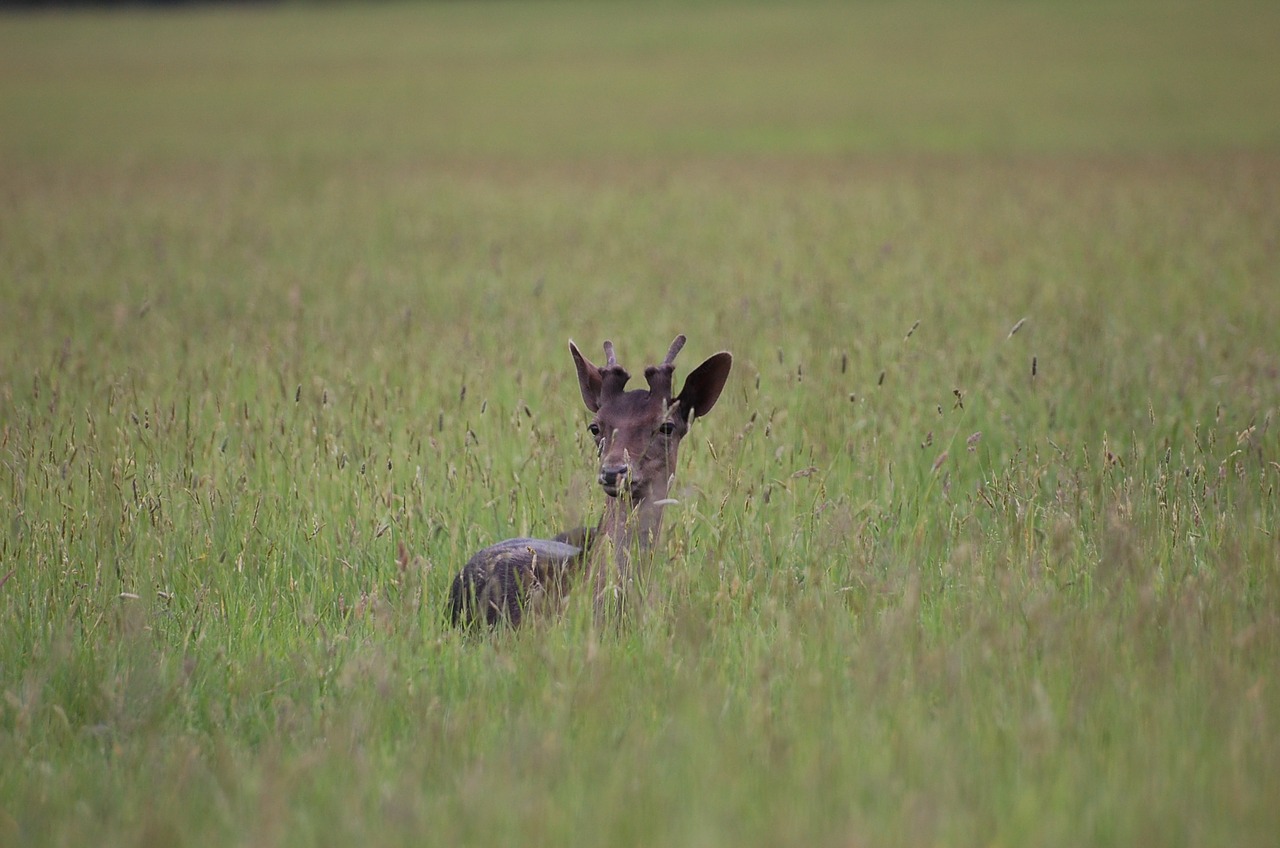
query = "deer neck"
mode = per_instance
[
  {"x": 625, "y": 538},
  {"x": 632, "y": 525}
]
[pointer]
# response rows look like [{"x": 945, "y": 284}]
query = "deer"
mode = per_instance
[{"x": 637, "y": 435}]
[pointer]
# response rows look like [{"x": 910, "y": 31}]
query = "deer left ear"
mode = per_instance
[
  {"x": 703, "y": 385},
  {"x": 590, "y": 381}
]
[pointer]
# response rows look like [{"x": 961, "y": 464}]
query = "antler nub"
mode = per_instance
[
  {"x": 614, "y": 375},
  {"x": 659, "y": 376},
  {"x": 674, "y": 349}
]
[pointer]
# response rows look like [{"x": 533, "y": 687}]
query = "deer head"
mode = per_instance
[{"x": 638, "y": 432}]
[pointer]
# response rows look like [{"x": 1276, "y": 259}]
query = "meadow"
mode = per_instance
[{"x": 978, "y": 548}]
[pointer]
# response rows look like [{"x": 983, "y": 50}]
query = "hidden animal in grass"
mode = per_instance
[{"x": 637, "y": 434}]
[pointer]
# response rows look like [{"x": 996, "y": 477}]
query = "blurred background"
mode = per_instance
[{"x": 563, "y": 80}]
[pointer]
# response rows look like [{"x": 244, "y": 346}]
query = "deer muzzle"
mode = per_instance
[{"x": 612, "y": 478}]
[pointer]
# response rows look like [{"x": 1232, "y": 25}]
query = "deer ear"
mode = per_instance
[
  {"x": 703, "y": 385},
  {"x": 589, "y": 379}
]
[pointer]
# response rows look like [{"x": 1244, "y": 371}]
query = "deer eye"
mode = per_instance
[
  {"x": 594, "y": 429},
  {"x": 666, "y": 428}
]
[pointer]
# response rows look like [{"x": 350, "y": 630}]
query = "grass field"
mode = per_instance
[{"x": 979, "y": 547}]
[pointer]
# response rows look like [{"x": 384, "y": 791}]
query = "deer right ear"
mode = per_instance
[
  {"x": 589, "y": 379},
  {"x": 703, "y": 386}
]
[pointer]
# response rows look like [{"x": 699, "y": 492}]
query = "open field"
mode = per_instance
[{"x": 282, "y": 289}]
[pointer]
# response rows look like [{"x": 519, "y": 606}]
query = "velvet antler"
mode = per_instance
[{"x": 659, "y": 376}]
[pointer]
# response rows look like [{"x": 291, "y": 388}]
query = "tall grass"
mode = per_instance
[{"x": 978, "y": 547}]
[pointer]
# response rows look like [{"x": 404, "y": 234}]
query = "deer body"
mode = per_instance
[{"x": 638, "y": 436}]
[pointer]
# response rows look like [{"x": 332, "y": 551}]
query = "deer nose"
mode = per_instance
[{"x": 611, "y": 476}]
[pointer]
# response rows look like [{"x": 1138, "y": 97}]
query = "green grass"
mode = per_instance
[{"x": 285, "y": 288}]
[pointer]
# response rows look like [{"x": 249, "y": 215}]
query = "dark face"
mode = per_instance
[{"x": 638, "y": 435}]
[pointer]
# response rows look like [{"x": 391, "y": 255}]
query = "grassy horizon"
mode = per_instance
[
  {"x": 525, "y": 82},
  {"x": 978, "y": 547}
]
